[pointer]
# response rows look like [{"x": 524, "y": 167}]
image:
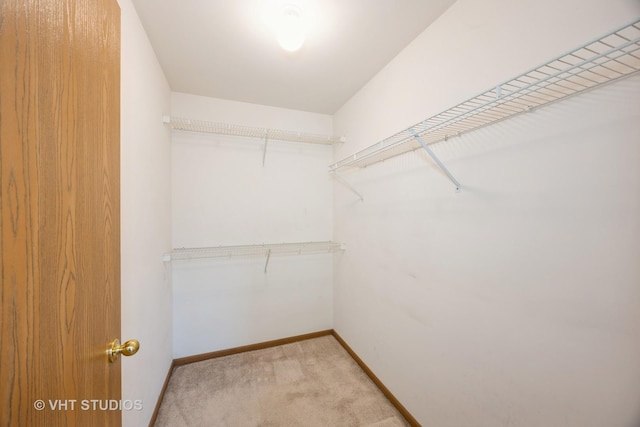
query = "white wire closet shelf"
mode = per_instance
[
  {"x": 301, "y": 248},
  {"x": 190, "y": 125},
  {"x": 609, "y": 58}
]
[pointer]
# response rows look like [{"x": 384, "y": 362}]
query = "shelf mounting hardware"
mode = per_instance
[
  {"x": 264, "y": 153},
  {"x": 267, "y": 261},
  {"x": 435, "y": 159},
  {"x": 347, "y": 184}
]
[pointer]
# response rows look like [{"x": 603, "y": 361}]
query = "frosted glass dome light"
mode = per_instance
[{"x": 290, "y": 31}]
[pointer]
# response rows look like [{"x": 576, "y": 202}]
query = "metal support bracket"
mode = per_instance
[
  {"x": 266, "y": 141},
  {"x": 347, "y": 184},
  {"x": 435, "y": 159},
  {"x": 267, "y": 261}
]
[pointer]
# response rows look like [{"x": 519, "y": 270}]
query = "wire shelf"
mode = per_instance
[
  {"x": 609, "y": 58},
  {"x": 303, "y": 248},
  {"x": 182, "y": 124}
]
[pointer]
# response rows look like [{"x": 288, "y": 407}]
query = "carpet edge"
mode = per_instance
[{"x": 387, "y": 393}]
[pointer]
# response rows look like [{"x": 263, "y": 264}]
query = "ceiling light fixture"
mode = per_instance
[{"x": 290, "y": 29}]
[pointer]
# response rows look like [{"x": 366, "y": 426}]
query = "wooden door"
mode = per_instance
[{"x": 59, "y": 211}]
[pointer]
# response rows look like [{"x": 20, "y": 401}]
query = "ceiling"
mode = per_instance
[{"x": 227, "y": 48}]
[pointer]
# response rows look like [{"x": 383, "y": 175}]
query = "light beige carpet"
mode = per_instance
[{"x": 308, "y": 383}]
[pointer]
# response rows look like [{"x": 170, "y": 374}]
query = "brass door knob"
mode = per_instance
[{"x": 129, "y": 348}]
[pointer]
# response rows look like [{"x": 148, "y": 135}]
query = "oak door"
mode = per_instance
[{"x": 59, "y": 210}]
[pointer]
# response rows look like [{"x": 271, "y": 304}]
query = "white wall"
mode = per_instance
[
  {"x": 517, "y": 301},
  {"x": 222, "y": 195},
  {"x": 145, "y": 219}
]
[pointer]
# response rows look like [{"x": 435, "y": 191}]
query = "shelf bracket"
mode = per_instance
[
  {"x": 347, "y": 184},
  {"x": 267, "y": 262},
  {"x": 435, "y": 159},
  {"x": 264, "y": 153}
]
